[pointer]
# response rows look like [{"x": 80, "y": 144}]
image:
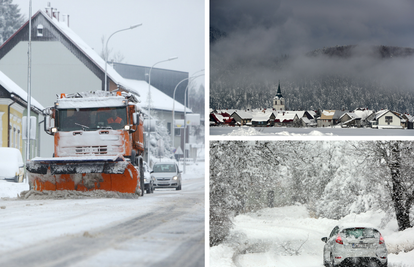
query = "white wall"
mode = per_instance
[
  {"x": 55, "y": 70},
  {"x": 395, "y": 120}
]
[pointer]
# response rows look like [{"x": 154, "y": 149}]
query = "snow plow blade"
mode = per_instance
[{"x": 83, "y": 174}]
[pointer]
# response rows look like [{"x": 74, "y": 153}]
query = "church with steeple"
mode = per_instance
[{"x": 278, "y": 100}]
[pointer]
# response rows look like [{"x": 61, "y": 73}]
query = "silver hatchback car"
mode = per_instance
[
  {"x": 355, "y": 246},
  {"x": 167, "y": 175}
]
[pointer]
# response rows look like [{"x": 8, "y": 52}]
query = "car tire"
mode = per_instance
[
  {"x": 16, "y": 178},
  {"x": 178, "y": 187},
  {"x": 332, "y": 262},
  {"x": 373, "y": 264},
  {"x": 148, "y": 189}
]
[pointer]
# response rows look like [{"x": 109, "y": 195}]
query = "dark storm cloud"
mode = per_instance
[
  {"x": 290, "y": 26},
  {"x": 258, "y": 32}
]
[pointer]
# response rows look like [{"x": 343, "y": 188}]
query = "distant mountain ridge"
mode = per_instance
[{"x": 379, "y": 51}]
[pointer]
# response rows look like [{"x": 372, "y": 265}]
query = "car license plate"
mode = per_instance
[
  {"x": 359, "y": 245},
  {"x": 163, "y": 182}
]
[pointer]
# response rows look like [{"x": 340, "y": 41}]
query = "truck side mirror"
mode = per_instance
[
  {"x": 135, "y": 118},
  {"x": 49, "y": 123}
]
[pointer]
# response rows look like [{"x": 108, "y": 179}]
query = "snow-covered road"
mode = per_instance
[
  {"x": 161, "y": 229},
  {"x": 289, "y": 237}
]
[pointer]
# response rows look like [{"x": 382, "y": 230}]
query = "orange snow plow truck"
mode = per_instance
[{"x": 98, "y": 142}]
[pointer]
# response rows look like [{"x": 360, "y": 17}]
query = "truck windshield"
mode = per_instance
[{"x": 88, "y": 119}]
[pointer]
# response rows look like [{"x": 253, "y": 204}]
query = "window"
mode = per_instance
[
  {"x": 177, "y": 132},
  {"x": 169, "y": 127},
  {"x": 40, "y": 30},
  {"x": 388, "y": 119}
]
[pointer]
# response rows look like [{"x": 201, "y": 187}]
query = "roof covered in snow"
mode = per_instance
[
  {"x": 12, "y": 87},
  {"x": 159, "y": 100},
  {"x": 263, "y": 115}
]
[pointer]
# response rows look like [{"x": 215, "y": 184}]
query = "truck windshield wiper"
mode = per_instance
[{"x": 83, "y": 126}]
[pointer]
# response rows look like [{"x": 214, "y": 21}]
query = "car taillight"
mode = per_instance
[
  {"x": 339, "y": 240},
  {"x": 381, "y": 241}
]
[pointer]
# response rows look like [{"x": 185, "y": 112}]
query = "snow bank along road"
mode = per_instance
[
  {"x": 290, "y": 237},
  {"x": 161, "y": 229}
]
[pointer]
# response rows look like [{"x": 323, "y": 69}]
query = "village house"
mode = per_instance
[
  {"x": 287, "y": 119},
  {"x": 386, "y": 119},
  {"x": 263, "y": 118},
  {"x": 243, "y": 117},
  {"x": 329, "y": 118}
]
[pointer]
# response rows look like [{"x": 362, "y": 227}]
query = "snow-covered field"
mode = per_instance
[
  {"x": 290, "y": 237},
  {"x": 124, "y": 232},
  {"x": 285, "y": 131}
]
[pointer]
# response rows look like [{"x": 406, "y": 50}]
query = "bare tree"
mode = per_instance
[{"x": 111, "y": 56}]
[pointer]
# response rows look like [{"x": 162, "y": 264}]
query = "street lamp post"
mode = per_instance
[
  {"x": 185, "y": 122},
  {"x": 106, "y": 51},
  {"x": 149, "y": 105},
  {"x": 173, "y": 110}
]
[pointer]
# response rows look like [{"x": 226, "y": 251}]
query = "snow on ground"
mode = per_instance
[
  {"x": 303, "y": 131},
  {"x": 247, "y": 131},
  {"x": 290, "y": 237},
  {"x": 20, "y": 220}
]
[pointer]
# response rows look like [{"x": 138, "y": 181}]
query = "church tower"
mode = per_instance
[{"x": 278, "y": 100}]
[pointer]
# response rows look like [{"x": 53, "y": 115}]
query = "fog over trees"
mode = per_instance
[
  {"x": 343, "y": 78},
  {"x": 331, "y": 178}
]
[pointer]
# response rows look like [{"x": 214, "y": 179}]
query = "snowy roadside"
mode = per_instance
[{"x": 288, "y": 236}]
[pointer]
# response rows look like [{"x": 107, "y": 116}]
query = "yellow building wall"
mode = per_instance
[{"x": 16, "y": 122}]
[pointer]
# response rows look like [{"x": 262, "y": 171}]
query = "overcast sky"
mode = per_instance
[
  {"x": 293, "y": 26},
  {"x": 170, "y": 28}
]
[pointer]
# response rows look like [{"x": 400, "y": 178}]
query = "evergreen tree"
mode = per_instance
[{"x": 10, "y": 19}]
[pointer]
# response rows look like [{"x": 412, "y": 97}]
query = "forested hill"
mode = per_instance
[{"x": 341, "y": 77}]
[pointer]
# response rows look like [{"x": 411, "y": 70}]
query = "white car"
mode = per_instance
[
  {"x": 355, "y": 245},
  {"x": 167, "y": 175},
  {"x": 11, "y": 164}
]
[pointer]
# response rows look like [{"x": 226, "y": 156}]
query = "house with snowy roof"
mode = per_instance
[
  {"x": 386, "y": 119},
  {"x": 263, "y": 118},
  {"x": 243, "y": 117},
  {"x": 63, "y": 63},
  {"x": 350, "y": 119},
  {"x": 287, "y": 119},
  {"x": 329, "y": 118},
  {"x": 306, "y": 119},
  {"x": 13, "y": 106}
]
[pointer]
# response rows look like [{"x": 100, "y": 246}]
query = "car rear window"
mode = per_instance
[
  {"x": 360, "y": 233},
  {"x": 164, "y": 168}
]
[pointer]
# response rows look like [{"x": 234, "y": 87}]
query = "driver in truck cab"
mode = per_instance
[{"x": 114, "y": 118}]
